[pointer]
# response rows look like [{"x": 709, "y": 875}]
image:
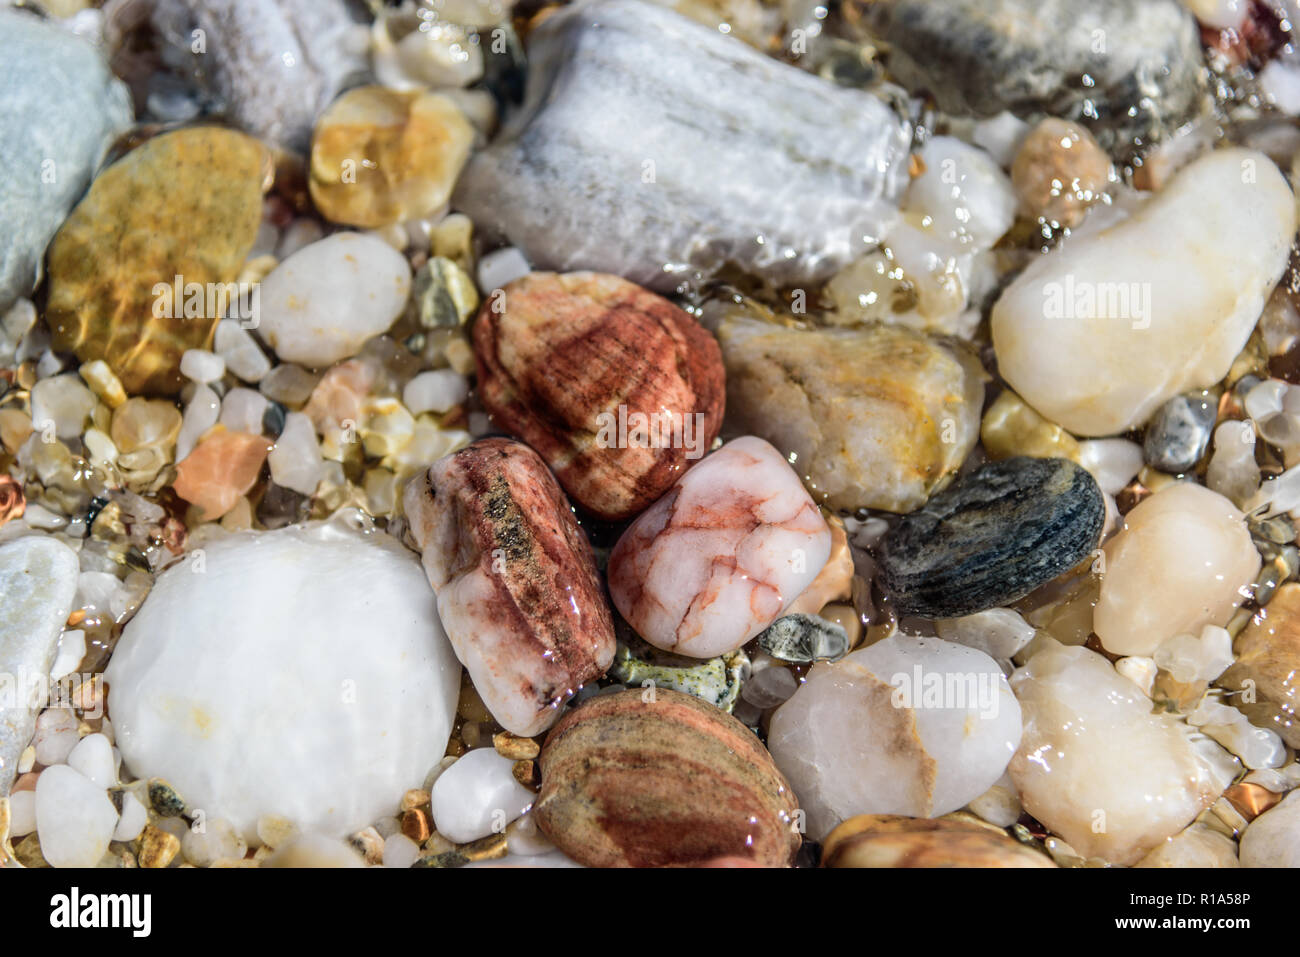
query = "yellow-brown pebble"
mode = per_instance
[
  {"x": 1059, "y": 172},
  {"x": 514, "y": 747},
  {"x": 380, "y": 157},
  {"x": 158, "y": 848}
]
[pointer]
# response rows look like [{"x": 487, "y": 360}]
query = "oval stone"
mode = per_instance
[{"x": 992, "y": 537}]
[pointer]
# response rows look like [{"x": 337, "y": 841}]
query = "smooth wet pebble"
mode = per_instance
[{"x": 477, "y": 796}]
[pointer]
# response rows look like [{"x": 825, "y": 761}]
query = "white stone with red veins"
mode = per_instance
[
  {"x": 722, "y": 554},
  {"x": 518, "y": 591}
]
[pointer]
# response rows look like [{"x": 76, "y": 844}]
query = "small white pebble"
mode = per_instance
[
  {"x": 436, "y": 391},
  {"x": 134, "y": 817},
  {"x": 1112, "y": 462},
  {"x": 1140, "y": 670},
  {"x": 62, "y": 403},
  {"x": 93, "y": 757},
  {"x": 500, "y": 267},
  {"x": 38, "y": 516},
  {"x": 242, "y": 410},
  {"x": 1190, "y": 659},
  {"x": 22, "y": 813},
  {"x": 296, "y": 460},
  {"x": 74, "y": 818},
  {"x": 477, "y": 795},
  {"x": 400, "y": 851},
  {"x": 243, "y": 357},
  {"x": 72, "y": 648},
  {"x": 1256, "y": 747},
  {"x": 56, "y": 735},
  {"x": 200, "y": 415},
  {"x": 217, "y": 840},
  {"x": 202, "y": 366}
]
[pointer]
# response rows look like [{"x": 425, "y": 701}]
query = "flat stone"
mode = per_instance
[
  {"x": 60, "y": 108},
  {"x": 649, "y": 146},
  {"x": 993, "y": 536},
  {"x": 184, "y": 204},
  {"x": 38, "y": 584}
]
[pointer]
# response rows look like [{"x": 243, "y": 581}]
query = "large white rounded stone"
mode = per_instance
[
  {"x": 301, "y": 672},
  {"x": 916, "y": 726},
  {"x": 1273, "y": 838}
]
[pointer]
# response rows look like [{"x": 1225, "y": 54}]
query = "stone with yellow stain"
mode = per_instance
[
  {"x": 158, "y": 848},
  {"x": 1010, "y": 427},
  {"x": 187, "y": 204},
  {"x": 380, "y": 156},
  {"x": 222, "y": 467}
]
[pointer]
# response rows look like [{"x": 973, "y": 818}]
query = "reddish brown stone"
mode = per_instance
[
  {"x": 558, "y": 357},
  {"x": 662, "y": 780},
  {"x": 518, "y": 590}
]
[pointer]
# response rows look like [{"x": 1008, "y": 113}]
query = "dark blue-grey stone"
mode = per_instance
[
  {"x": 60, "y": 108},
  {"x": 1180, "y": 431},
  {"x": 992, "y": 537}
]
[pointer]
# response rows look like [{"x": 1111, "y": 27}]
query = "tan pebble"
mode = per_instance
[
  {"x": 28, "y": 852},
  {"x": 1059, "y": 171},
  {"x": 834, "y": 582},
  {"x": 487, "y": 848},
  {"x": 140, "y": 424},
  {"x": 274, "y": 831},
  {"x": 15, "y": 427},
  {"x": 157, "y": 847},
  {"x": 416, "y": 797},
  {"x": 514, "y": 747},
  {"x": 847, "y": 617},
  {"x": 892, "y": 841},
  {"x": 417, "y": 824},
  {"x": 103, "y": 382},
  {"x": 525, "y": 772},
  {"x": 369, "y": 844},
  {"x": 1010, "y": 427},
  {"x": 460, "y": 356}
]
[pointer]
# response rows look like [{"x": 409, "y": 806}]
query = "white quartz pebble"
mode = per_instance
[
  {"x": 295, "y": 460},
  {"x": 1273, "y": 838},
  {"x": 400, "y": 851},
  {"x": 56, "y": 735},
  {"x": 1192, "y": 658},
  {"x": 1098, "y": 766},
  {"x": 1232, "y": 471},
  {"x": 1112, "y": 462},
  {"x": 215, "y": 840},
  {"x": 22, "y": 813},
  {"x": 998, "y": 632},
  {"x": 201, "y": 414},
  {"x": 1181, "y": 562},
  {"x": 322, "y": 303},
  {"x": 962, "y": 193},
  {"x": 61, "y": 404},
  {"x": 915, "y": 726},
  {"x": 1099, "y": 333},
  {"x": 500, "y": 267},
  {"x": 72, "y": 648},
  {"x": 477, "y": 796},
  {"x": 1257, "y": 748},
  {"x": 1140, "y": 670},
  {"x": 202, "y": 366},
  {"x": 93, "y": 757},
  {"x": 134, "y": 817},
  {"x": 435, "y": 391},
  {"x": 304, "y": 673},
  {"x": 242, "y": 410},
  {"x": 74, "y": 818},
  {"x": 240, "y": 351}
]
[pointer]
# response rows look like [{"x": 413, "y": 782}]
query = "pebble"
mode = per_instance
[
  {"x": 62, "y": 108},
  {"x": 978, "y": 57},
  {"x": 891, "y": 841},
  {"x": 93, "y": 757},
  {"x": 1059, "y": 171},
  {"x": 1098, "y": 766},
  {"x": 1197, "y": 845},
  {"x": 409, "y": 52},
  {"x": 75, "y": 819},
  {"x": 619, "y": 390},
  {"x": 240, "y": 351},
  {"x": 202, "y": 366},
  {"x": 877, "y": 733},
  {"x": 876, "y": 417},
  {"x": 158, "y": 847},
  {"x": 322, "y": 303},
  {"x": 1180, "y": 562},
  {"x": 444, "y": 294},
  {"x": 1162, "y": 302},
  {"x": 274, "y": 64},
  {"x": 998, "y": 632},
  {"x": 717, "y": 680},
  {"x": 501, "y": 267},
  {"x": 315, "y": 850},
  {"x": 625, "y": 79},
  {"x": 295, "y": 460},
  {"x": 288, "y": 384},
  {"x": 669, "y": 781},
  {"x": 1010, "y": 427},
  {"x": 202, "y": 412},
  {"x": 223, "y": 467},
  {"x": 400, "y": 851},
  {"x": 1193, "y": 659},
  {"x": 216, "y": 841},
  {"x": 198, "y": 691},
  {"x": 22, "y": 813},
  {"x": 804, "y": 638},
  {"x": 770, "y": 687},
  {"x": 380, "y": 156},
  {"x": 243, "y": 410},
  {"x": 56, "y": 735},
  {"x": 993, "y": 536},
  {"x": 1233, "y": 471},
  {"x": 721, "y": 555},
  {"x": 517, "y": 585},
  {"x": 192, "y": 198},
  {"x": 439, "y": 390},
  {"x": 38, "y": 582},
  {"x": 133, "y": 819},
  {"x": 1179, "y": 432},
  {"x": 1257, "y": 748},
  {"x": 1273, "y": 838},
  {"x": 61, "y": 404},
  {"x": 1113, "y": 462},
  {"x": 1268, "y": 664},
  {"x": 477, "y": 796}
]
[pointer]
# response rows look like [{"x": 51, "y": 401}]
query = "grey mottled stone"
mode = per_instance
[
  {"x": 38, "y": 584},
  {"x": 1030, "y": 57},
  {"x": 647, "y": 140},
  {"x": 804, "y": 638},
  {"x": 1179, "y": 432},
  {"x": 60, "y": 108},
  {"x": 992, "y": 537}
]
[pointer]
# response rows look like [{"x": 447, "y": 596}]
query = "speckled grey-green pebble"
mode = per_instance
[
  {"x": 992, "y": 537},
  {"x": 803, "y": 639},
  {"x": 1179, "y": 432}
]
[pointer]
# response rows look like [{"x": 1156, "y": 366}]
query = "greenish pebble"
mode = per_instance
[
  {"x": 716, "y": 681},
  {"x": 164, "y": 798},
  {"x": 444, "y": 293}
]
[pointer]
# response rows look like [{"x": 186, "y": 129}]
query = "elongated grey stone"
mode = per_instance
[
  {"x": 649, "y": 145},
  {"x": 1142, "y": 60},
  {"x": 59, "y": 110},
  {"x": 992, "y": 537},
  {"x": 38, "y": 584}
]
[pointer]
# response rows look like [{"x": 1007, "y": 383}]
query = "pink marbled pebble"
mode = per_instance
[{"x": 722, "y": 554}]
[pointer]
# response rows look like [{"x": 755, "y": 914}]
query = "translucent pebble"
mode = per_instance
[
  {"x": 202, "y": 366},
  {"x": 93, "y": 757},
  {"x": 295, "y": 460},
  {"x": 477, "y": 795},
  {"x": 240, "y": 351},
  {"x": 1282, "y": 429},
  {"x": 200, "y": 415},
  {"x": 72, "y": 648},
  {"x": 999, "y": 632},
  {"x": 289, "y": 384},
  {"x": 22, "y": 813},
  {"x": 962, "y": 193},
  {"x": 1139, "y": 670},
  {"x": 38, "y": 516},
  {"x": 1273, "y": 838},
  {"x": 400, "y": 851},
  {"x": 1233, "y": 472},
  {"x": 74, "y": 818},
  {"x": 1282, "y": 494},
  {"x": 1190, "y": 659},
  {"x": 56, "y": 735},
  {"x": 99, "y": 448},
  {"x": 1000, "y": 136},
  {"x": 62, "y": 403},
  {"x": 242, "y": 410},
  {"x": 770, "y": 687},
  {"x": 435, "y": 391},
  {"x": 134, "y": 817},
  {"x": 103, "y": 382},
  {"x": 1112, "y": 462},
  {"x": 1265, "y": 399},
  {"x": 216, "y": 840},
  {"x": 500, "y": 267},
  {"x": 999, "y": 805},
  {"x": 524, "y": 837},
  {"x": 1256, "y": 747},
  {"x": 388, "y": 427}
]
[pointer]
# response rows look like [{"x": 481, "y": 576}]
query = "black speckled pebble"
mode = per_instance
[
  {"x": 993, "y": 536},
  {"x": 1179, "y": 432}
]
